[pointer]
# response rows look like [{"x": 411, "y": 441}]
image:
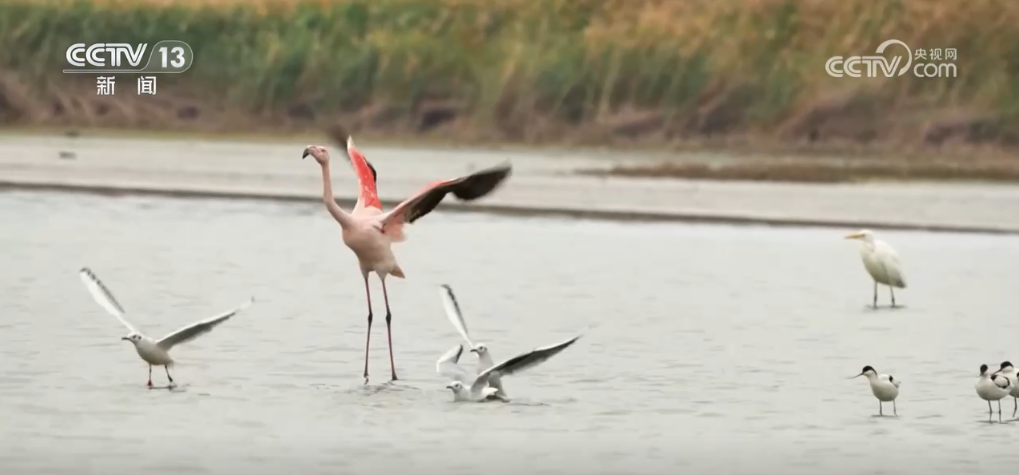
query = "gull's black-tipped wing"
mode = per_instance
[{"x": 521, "y": 362}]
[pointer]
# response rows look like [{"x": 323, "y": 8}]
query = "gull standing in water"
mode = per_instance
[
  {"x": 369, "y": 232},
  {"x": 881, "y": 262},
  {"x": 1008, "y": 371},
  {"x": 153, "y": 352},
  {"x": 479, "y": 389},
  {"x": 885, "y": 388},
  {"x": 992, "y": 387},
  {"x": 455, "y": 317}
]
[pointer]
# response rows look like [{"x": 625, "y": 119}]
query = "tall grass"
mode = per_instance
[{"x": 568, "y": 60}]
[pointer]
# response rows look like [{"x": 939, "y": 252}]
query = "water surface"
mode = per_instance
[{"x": 713, "y": 348}]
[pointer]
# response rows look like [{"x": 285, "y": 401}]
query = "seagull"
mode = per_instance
[
  {"x": 480, "y": 389},
  {"x": 881, "y": 262},
  {"x": 992, "y": 388},
  {"x": 456, "y": 318},
  {"x": 153, "y": 352},
  {"x": 447, "y": 366},
  {"x": 1008, "y": 371},
  {"x": 885, "y": 388}
]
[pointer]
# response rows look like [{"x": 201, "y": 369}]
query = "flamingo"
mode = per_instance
[{"x": 369, "y": 232}]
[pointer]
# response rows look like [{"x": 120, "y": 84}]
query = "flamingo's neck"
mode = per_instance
[
  {"x": 327, "y": 182},
  {"x": 345, "y": 220}
]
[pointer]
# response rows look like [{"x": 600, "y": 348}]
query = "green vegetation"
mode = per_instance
[{"x": 536, "y": 70}]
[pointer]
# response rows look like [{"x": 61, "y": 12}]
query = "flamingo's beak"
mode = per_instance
[{"x": 307, "y": 152}]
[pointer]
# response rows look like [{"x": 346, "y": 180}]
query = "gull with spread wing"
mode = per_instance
[
  {"x": 455, "y": 317},
  {"x": 480, "y": 389},
  {"x": 154, "y": 352}
]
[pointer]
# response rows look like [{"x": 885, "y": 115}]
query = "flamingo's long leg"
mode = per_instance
[
  {"x": 368, "y": 337},
  {"x": 389, "y": 331}
]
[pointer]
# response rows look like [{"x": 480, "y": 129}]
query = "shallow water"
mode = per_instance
[{"x": 713, "y": 347}]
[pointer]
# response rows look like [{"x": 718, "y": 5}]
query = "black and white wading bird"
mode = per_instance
[
  {"x": 992, "y": 387},
  {"x": 1008, "y": 371},
  {"x": 885, "y": 388}
]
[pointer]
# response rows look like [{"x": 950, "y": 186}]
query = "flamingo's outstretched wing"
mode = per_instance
[
  {"x": 367, "y": 196},
  {"x": 446, "y": 365},
  {"x": 521, "y": 362},
  {"x": 104, "y": 297},
  {"x": 466, "y": 188},
  {"x": 202, "y": 327},
  {"x": 453, "y": 312}
]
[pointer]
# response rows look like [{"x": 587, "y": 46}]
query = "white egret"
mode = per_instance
[
  {"x": 881, "y": 262},
  {"x": 885, "y": 388}
]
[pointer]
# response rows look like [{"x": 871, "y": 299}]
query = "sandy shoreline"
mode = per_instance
[{"x": 544, "y": 183}]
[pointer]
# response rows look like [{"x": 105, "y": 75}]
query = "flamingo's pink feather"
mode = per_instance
[{"x": 368, "y": 195}]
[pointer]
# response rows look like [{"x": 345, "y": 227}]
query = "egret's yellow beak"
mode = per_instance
[{"x": 854, "y": 236}]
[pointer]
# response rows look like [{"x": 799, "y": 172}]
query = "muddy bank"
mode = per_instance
[
  {"x": 825, "y": 170},
  {"x": 542, "y": 184},
  {"x": 569, "y": 72}
]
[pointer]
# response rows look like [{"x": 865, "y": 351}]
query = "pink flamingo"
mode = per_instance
[{"x": 370, "y": 232}]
